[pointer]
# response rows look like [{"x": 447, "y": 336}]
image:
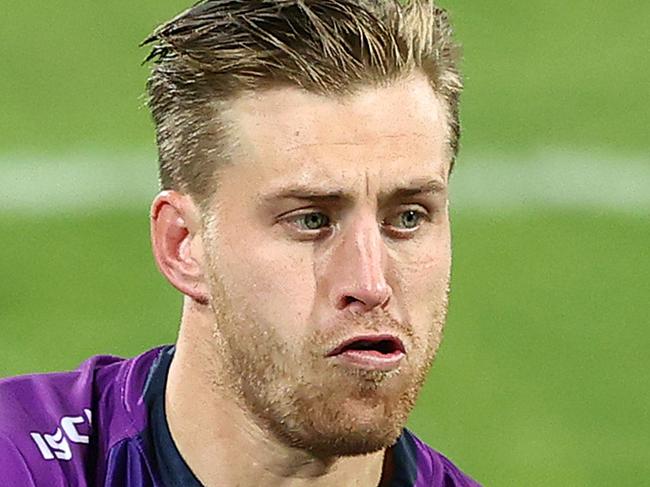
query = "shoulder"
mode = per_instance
[
  {"x": 437, "y": 468},
  {"x": 54, "y": 425},
  {"x": 50, "y": 402},
  {"x": 14, "y": 467}
]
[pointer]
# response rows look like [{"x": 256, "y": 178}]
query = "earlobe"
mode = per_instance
[{"x": 175, "y": 223}]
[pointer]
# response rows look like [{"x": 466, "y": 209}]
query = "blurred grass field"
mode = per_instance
[
  {"x": 538, "y": 73},
  {"x": 541, "y": 379},
  {"x": 543, "y": 375}
]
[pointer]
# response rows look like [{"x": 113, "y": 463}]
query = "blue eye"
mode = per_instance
[
  {"x": 314, "y": 221},
  {"x": 410, "y": 219}
]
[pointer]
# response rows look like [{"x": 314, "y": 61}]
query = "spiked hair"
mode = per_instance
[{"x": 219, "y": 49}]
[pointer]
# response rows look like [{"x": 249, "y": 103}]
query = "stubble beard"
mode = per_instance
[{"x": 305, "y": 400}]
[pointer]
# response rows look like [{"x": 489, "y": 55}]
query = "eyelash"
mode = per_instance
[{"x": 422, "y": 217}]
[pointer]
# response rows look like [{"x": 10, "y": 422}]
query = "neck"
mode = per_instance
[{"x": 223, "y": 443}]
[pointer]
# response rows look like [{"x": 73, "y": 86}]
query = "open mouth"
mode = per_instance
[
  {"x": 377, "y": 345},
  {"x": 373, "y": 352}
]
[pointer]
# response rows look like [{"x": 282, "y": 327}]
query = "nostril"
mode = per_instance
[
  {"x": 349, "y": 302},
  {"x": 362, "y": 300}
]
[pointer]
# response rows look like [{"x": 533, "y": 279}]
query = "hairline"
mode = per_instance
[{"x": 224, "y": 118}]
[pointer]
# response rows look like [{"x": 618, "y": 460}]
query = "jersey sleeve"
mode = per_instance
[
  {"x": 44, "y": 430},
  {"x": 435, "y": 469},
  {"x": 14, "y": 469},
  {"x": 453, "y": 475}
]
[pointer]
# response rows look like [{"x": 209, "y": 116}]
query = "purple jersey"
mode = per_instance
[{"x": 104, "y": 425}]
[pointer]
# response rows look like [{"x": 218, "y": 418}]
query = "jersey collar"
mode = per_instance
[{"x": 174, "y": 472}]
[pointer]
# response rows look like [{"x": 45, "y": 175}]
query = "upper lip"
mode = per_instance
[{"x": 396, "y": 342}]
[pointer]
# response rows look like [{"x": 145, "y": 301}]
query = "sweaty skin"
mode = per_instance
[{"x": 331, "y": 222}]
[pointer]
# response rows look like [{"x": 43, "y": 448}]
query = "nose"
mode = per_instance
[{"x": 358, "y": 269}]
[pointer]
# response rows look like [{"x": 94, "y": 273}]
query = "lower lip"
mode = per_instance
[{"x": 370, "y": 359}]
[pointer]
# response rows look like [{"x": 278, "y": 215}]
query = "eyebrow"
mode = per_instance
[
  {"x": 430, "y": 186},
  {"x": 311, "y": 193}
]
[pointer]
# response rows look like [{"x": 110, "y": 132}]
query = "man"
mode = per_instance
[{"x": 305, "y": 151}]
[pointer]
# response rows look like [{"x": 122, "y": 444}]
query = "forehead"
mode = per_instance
[{"x": 377, "y": 135}]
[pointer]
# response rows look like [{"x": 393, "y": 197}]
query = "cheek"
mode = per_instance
[
  {"x": 423, "y": 274},
  {"x": 270, "y": 285}
]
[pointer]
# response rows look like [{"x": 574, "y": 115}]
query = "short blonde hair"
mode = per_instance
[{"x": 218, "y": 49}]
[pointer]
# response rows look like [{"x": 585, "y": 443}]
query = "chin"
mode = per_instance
[
  {"x": 349, "y": 426},
  {"x": 352, "y": 440}
]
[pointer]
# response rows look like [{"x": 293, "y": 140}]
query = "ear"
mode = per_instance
[{"x": 177, "y": 244}]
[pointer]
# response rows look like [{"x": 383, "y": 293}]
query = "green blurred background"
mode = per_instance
[{"x": 543, "y": 376}]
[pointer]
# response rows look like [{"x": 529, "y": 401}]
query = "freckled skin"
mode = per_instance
[
  {"x": 293, "y": 288},
  {"x": 378, "y": 139},
  {"x": 282, "y": 295}
]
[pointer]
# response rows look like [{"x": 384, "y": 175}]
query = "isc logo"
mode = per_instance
[{"x": 57, "y": 445}]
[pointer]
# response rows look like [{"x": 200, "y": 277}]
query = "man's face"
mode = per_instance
[{"x": 329, "y": 260}]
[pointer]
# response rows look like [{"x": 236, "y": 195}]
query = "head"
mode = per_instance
[{"x": 305, "y": 151}]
